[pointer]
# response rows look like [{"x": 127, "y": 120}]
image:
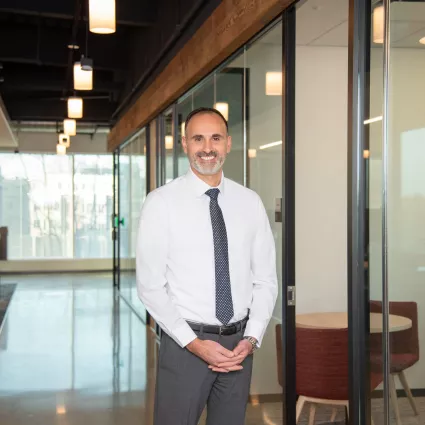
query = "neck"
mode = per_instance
[{"x": 213, "y": 180}]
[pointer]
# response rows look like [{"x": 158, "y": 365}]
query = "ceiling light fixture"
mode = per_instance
[
  {"x": 270, "y": 145},
  {"x": 73, "y": 46},
  {"x": 378, "y": 25},
  {"x": 70, "y": 127},
  {"x": 75, "y": 107},
  {"x": 372, "y": 120},
  {"x": 168, "y": 142},
  {"x": 60, "y": 149},
  {"x": 273, "y": 83},
  {"x": 83, "y": 78},
  {"x": 102, "y": 16},
  {"x": 252, "y": 153},
  {"x": 422, "y": 40},
  {"x": 223, "y": 108},
  {"x": 64, "y": 140}
]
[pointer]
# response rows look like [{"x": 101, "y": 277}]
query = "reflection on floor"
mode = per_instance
[
  {"x": 73, "y": 353},
  {"x": 63, "y": 359}
]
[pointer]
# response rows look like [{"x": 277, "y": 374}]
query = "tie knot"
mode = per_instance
[{"x": 213, "y": 193}]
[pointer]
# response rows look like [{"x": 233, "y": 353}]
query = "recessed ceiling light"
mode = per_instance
[
  {"x": 73, "y": 46},
  {"x": 422, "y": 40}
]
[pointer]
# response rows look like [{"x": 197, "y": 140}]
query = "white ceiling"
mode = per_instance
[
  {"x": 325, "y": 23},
  {"x": 7, "y": 137}
]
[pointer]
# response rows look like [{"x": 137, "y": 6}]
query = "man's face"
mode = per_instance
[{"x": 206, "y": 143}]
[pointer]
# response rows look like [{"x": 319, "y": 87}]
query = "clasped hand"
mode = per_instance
[{"x": 219, "y": 358}]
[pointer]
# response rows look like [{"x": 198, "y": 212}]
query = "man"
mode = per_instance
[{"x": 206, "y": 272}]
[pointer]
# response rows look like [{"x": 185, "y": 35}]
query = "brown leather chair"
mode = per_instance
[
  {"x": 322, "y": 368},
  {"x": 404, "y": 349}
]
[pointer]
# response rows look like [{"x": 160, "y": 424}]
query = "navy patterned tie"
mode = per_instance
[{"x": 223, "y": 291}]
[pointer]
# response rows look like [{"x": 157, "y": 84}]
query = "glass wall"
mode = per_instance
[
  {"x": 56, "y": 206},
  {"x": 397, "y": 200},
  {"x": 132, "y": 194}
]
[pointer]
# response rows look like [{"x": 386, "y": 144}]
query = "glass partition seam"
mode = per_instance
[
  {"x": 73, "y": 204},
  {"x": 175, "y": 132},
  {"x": 245, "y": 122},
  {"x": 288, "y": 208},
  {"x": 118, "y": 224},
  {"x": 130, "y": 201},
  {"x": 357, "y": 306},
  {"x": 385, "y": 130}
]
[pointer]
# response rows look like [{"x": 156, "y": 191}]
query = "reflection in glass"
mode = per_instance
[{"x": 92, "y": 206}]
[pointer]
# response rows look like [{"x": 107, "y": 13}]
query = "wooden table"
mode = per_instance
[{"x": 340, "y": 321}]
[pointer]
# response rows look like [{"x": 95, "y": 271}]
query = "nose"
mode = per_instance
[{"x": 208, "y": 145}]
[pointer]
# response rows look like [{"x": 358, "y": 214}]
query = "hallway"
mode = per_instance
[
  {"x": 63, "y": 359},
  {"x": 72, "y": 353}
]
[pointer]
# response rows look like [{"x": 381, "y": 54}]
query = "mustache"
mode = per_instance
[{"x": 212, "y": 153}]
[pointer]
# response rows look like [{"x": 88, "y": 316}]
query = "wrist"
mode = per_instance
[
  {"x": 253, "y": 341},
  {"x": 193, "y": 345}
]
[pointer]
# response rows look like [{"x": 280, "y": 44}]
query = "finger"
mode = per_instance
[
  {"x": 240, "y": 349},
  {"x": 235, "y": 361},
  {"x": 225, "y": 352},
  {"x": 217, "y": 369},
  {"x": 225, "y": 370}
]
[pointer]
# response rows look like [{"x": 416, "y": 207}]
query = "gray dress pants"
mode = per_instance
[{"x": 185, "y": 385}]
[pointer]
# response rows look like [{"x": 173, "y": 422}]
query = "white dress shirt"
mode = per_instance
[{"x": 175, "y": 257}]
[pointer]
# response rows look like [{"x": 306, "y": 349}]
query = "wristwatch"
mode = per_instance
[{"x": 253, "y": 342}]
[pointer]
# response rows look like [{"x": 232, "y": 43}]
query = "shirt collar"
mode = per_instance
[{"x": 198, "y": 186}]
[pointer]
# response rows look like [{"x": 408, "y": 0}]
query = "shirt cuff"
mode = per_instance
[
  {"x": 255, "y": 329},
  {"x": 183, "y": 335}
]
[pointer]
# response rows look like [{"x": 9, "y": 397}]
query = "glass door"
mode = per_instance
[{"x": 396, "y": 197}]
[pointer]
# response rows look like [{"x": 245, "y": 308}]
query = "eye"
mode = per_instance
[
  {"x": 216, "y": 138},
  {"x": 198, "y": 139}
]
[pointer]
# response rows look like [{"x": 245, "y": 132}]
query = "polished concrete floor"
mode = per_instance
[{"x": 72, "y": 352}]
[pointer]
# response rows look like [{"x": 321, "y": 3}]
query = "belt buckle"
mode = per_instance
[{"x": 220, "y": 330}]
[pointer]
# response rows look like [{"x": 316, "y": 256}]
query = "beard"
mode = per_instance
[{"x": 205, "y": 168}]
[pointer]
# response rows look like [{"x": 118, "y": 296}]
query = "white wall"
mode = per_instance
[
  {"x": 46, "y": 142},
  {"x": 321, "y": 179}
]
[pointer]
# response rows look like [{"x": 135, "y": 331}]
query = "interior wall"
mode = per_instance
[{"x": 321, "y": 179}]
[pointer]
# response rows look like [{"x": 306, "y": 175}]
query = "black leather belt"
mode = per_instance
[{"x": 220, "y": 330}]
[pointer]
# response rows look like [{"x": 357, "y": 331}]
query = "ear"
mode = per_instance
[
  {"x": 229, "y": 144},
  {"x": 184, "y": 144}
]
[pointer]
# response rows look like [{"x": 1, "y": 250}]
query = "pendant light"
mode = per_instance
[
  {"x": 64, "y": 140},
  {"x": 75, "y": 107},
  {"x": 70, "y": 127},
  {"x": 60, "y": 149},
  {"x": 223, "y": 108},
  {"x": 168, "y": 142},
  {"x": 102, "y": 16},
  {"x": 83, "y": 78},
  {"x": 273, "y": 83},
  {"x": 378, "y": 25}
]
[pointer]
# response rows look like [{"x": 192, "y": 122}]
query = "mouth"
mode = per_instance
[
  {"x": 210, "y": 157},
  {"x": 207, "y": 158}
]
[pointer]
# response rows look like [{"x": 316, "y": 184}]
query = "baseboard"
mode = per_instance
[
  {"x": 416, "y": 392},
  {"x": 48, "y": 272},
  {"x": 256, "y": 399}
]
